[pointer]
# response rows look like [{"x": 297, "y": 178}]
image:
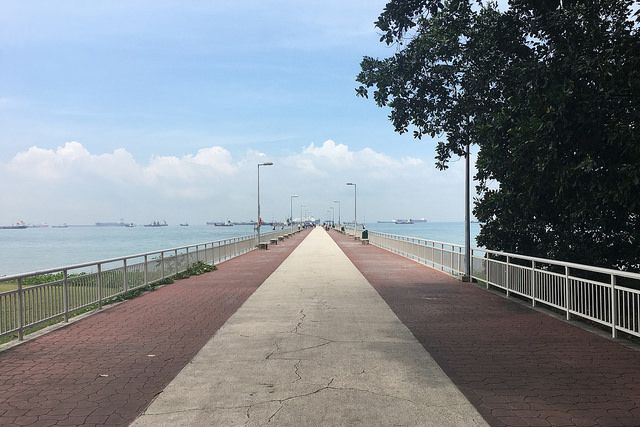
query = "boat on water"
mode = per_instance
[
  {"x": 184, "y": 225},
  {"x": 403, "y": 221},
  {"x": 227, "y": 223},
  {"x": 114, "y": 224},
  {"x": 17, "y": 226},
  {"x": 60, "y": 226},
  {"x": 245, "y": 223},
  {"x": 157, "y": 224}
]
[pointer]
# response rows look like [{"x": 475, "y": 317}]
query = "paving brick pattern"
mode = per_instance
[
  {"x": 517, "y": 366},
  {"x": 105, "y": 369}
]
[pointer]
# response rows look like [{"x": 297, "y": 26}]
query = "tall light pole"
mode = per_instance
[
  {"x": 333, "y": 216},
  {"x": 259, "y": 220},
  {"x": 339, "y": 220},
  {"x": 467, "y": 220},
  {"x": 291, "y": 212},
  {"x": 355, "y": 208}
]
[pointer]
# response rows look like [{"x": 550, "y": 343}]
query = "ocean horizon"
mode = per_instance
[{"x": 33, "y": 249}]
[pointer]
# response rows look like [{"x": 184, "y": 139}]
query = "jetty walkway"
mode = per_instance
[{"x": 321, "y": 330}]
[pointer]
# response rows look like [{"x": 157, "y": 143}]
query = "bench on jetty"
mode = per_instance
[
  {"x": 280, "y": 238},
  {"x": 263, "y": 245},
  {"x": 273, "y": 241}
]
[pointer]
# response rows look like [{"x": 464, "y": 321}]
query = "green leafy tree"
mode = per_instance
[{"x": 550, "y": 93}]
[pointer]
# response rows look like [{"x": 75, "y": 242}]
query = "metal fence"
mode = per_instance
[
  {"x": 54, "y": 294},
  {"x": 605, "y": 296}
]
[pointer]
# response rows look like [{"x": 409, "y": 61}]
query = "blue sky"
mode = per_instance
[{"x": 157, "y": 82}]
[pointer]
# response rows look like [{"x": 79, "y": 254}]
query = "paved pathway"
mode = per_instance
[
  {"x": 315, "y": 345},
  {"x": 518, "y": 367},
  {"x": 139, "y": 345}
]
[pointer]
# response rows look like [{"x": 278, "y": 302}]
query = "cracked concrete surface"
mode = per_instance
[{"x": 315, "y": 345}]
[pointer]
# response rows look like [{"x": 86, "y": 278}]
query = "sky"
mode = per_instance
[{"x": 161, "y": 110}]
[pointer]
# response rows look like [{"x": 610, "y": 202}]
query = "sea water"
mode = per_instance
[
  {"x": 35, "y": 249},
  {"x": 448, "y": 232}
]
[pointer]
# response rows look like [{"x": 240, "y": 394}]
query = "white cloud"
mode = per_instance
[{"x": 71, "y": 184}]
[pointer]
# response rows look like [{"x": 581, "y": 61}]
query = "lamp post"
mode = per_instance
[
  {"x": 291, "y": 211},
  {"x": 467, "y": 220},
  {"x": 259, "y": 220},
  {"x": 333, "y": 216},
  {"x": 339, "y": 220},
  {"x": 355, "y": 208}
]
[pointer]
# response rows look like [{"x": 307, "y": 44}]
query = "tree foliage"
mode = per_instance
[{"x": 550, "y": 93}]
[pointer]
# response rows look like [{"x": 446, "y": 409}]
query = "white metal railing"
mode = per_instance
[
  {"x": 42, "y": 296},
  {"x": 605, "y": 296},
  {"x": 447, "y": 257}
]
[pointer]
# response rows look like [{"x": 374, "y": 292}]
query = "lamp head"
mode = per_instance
[
  {"x": 350, "y": 183},
  {"x": 265, "y": 164}
]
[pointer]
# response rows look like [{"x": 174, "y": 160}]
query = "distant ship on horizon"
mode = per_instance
[
  {"x": 402, "y": 221},
  {"x": 17, "y": 226},
  {"x": 114, "y": 224},
  {"x": 157, "y": 224},
  {"x": 227, "y": 223}
]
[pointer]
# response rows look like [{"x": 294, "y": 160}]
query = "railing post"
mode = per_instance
[
  {"x": 451, "y": 260},
  {"x": 614, "y": 308},
  {"x": 567, "y": 294},
  {"x": 175, "y": 261},
  {"x": 488, "y": 255},
  {"x": 20, "y": 310},
  {"x": 162, "y": 264},
  {"x": 125, "y": 284},
  {"x": 188, "y": 260},
  {"x": 441, "y": 257},
  {"x": 65, "y": 294},
  {"x": 146, "y": 270},
  {"x": 507, "y": 276},
  {"x": 99, "y": 283},
  {"x": 533, "y": 283}
]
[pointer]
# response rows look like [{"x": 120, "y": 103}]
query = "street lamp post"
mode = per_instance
[
  {"x": 259, "y": 220},
  {"x": 333, "y": 216},
  {"x": 467, "y": 220},
  {"x": 355, "y": 208},
  {"x": 291, "y": 212},
  {"x": 339, "y": 220}
]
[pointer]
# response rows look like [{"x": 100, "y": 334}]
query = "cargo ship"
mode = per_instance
[
  {"x": 157, "y": 224},
  {"x": 17, "y": 226}
]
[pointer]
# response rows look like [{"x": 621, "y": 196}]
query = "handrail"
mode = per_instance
[
  {"x": 603, "y": 270},
  {"x": 602, "y": 300},
  {"x": 27, "y": 307},
  {"x": 109, "y": 260}
]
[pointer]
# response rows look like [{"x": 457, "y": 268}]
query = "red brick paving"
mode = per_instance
[
  {"x": 56, "y": 378},
  {"x": 517, "y": 366}
]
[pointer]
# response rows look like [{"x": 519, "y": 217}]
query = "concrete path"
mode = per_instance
[
  {"x": 315, "y": 345},
  {"x": 105, "y": 369},
  {"x": 519, "y": 367}
]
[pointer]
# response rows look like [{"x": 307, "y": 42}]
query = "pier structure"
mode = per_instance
[{"x": 321, "y": 330}]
